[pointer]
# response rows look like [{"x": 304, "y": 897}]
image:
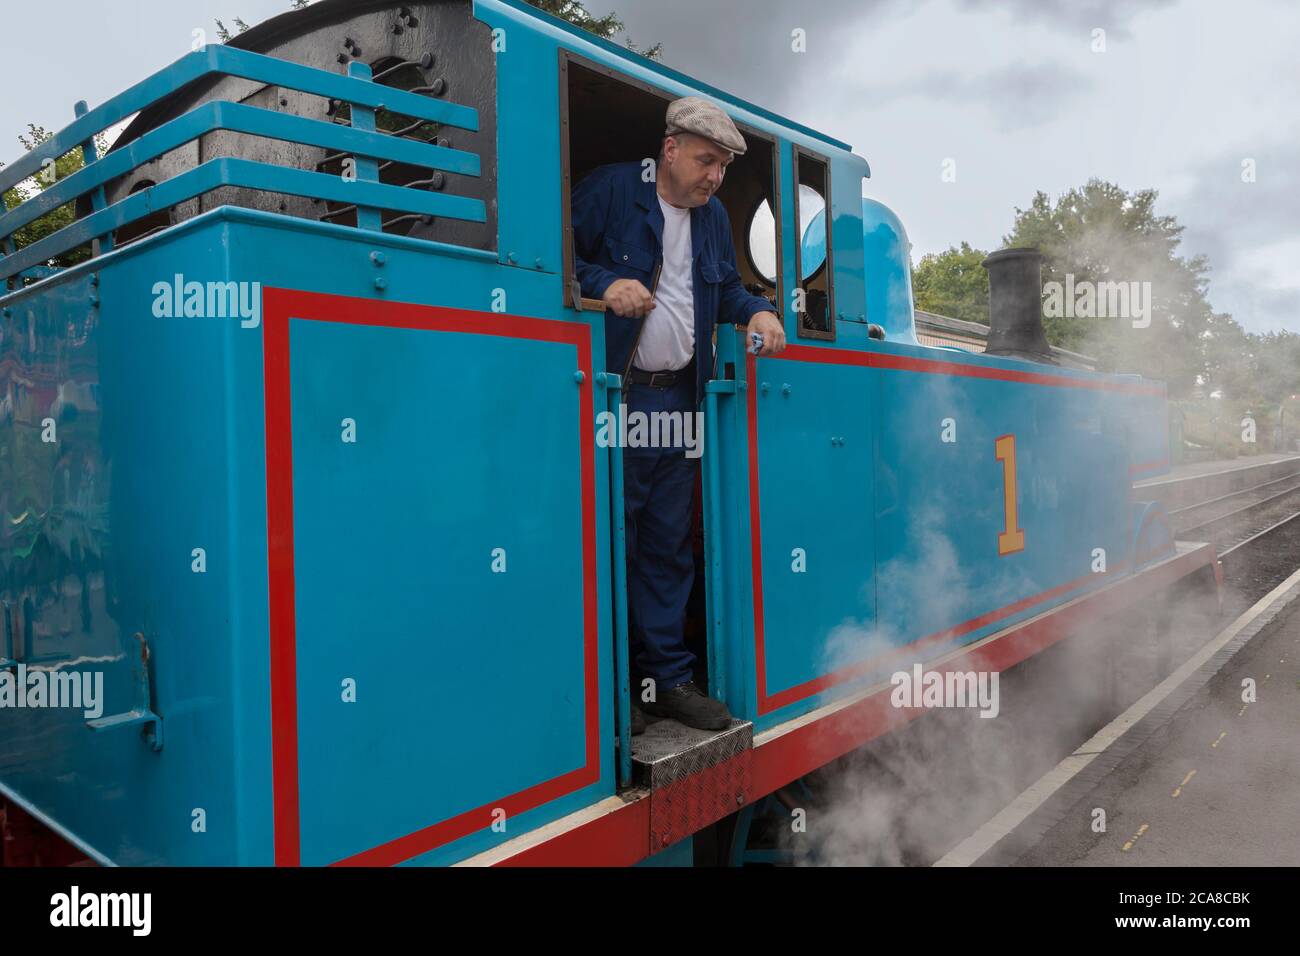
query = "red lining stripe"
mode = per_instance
[{"x": 278, "y": 306}]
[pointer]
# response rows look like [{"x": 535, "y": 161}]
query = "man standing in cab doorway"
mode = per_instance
[{"x": 657, "y": 250}]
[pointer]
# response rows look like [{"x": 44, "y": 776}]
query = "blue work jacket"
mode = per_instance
[{"x": 618, "y": 233}]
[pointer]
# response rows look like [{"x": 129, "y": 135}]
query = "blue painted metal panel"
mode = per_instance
[
  {"x": 814, "y": 467},
  {"x": 940, "y": 504},
  {"x": 180, "y": 436},
  {"x": 910, "y": 529},
  {"x": 465, "y": 444},
  {"x": 143, "y": 471},
  {"x": 528, "y": 141}
]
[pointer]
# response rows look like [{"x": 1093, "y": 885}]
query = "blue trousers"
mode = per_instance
[{"x": 658, "y": 491}]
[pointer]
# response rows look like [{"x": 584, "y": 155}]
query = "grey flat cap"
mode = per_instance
[{"x": 694, "y": 114}]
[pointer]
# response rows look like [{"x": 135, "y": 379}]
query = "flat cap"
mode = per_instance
[{"x": 694, "y": 114}]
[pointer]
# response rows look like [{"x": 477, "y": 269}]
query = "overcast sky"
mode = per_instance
[{"x": 1011, "y": 90}]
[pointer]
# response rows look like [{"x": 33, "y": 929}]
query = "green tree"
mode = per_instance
[
  {"x": 953, "y": 283},
  {"x": 604, "y": 27},
  {"x": 1101, "y": 233},
  {"x": 54, "y": 220},
  {"x": 224, "y": 35}
]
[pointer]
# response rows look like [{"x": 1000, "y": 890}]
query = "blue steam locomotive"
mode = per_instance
[{"x": 311, "y": 554}]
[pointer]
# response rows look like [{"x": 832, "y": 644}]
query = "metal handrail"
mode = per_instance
[
  {"x": 356, "y": 89},
  {"x": 240, "y": 118},
  {"x": 229, "y": 61},
  {"x": 226, "y": 171}
]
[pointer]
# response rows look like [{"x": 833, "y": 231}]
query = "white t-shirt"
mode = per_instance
[{"x": 668, "y": 337}]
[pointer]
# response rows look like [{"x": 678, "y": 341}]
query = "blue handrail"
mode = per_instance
[
  {"x": 226, "y": 171},
  {"x": 240, "y": 118},
  {"x": 229, "y": 61},
  {"x": 367, "y": 145}
]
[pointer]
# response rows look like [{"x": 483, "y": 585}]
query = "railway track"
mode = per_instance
[
  {"x": 1262, "y": 556},
  {"x": 910, "y": 778},
  {"x": 1256, "y": 533},
  {"x": 1208, "y": 517}
]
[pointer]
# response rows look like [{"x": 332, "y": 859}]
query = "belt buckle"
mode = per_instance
[{"x": 654, "y": 377}]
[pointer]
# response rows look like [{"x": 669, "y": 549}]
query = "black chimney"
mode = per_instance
[{"x": 1016, "y": 306}]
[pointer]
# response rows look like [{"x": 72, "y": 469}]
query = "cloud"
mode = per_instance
[
  {"x": 1112, "y": 16},
  {"x": 1247, "y": 229},
  {"x": 1019, "y": 95},
  {"x": 745, "y": 48}
]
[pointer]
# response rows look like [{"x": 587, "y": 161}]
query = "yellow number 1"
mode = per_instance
[{"x": 1013, "y": 538}]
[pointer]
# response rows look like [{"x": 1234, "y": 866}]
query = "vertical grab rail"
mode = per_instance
[
  {"x": 622, "y": 684},
  {"x": 717, "y": 640},
  {"x": 367, "y": 169},
  {"x": 89, "y": 155}
]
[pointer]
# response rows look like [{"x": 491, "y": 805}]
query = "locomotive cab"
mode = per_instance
[{"x": 609, "y": 117}]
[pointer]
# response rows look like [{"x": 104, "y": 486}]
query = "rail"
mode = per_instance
[{"x": 359, "y": 139}]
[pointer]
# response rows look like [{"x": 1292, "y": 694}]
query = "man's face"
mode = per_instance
[{"x": 694, "y": 168}]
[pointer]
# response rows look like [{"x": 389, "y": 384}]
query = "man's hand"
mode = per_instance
[
  {"x": 629, "y": 298},
  {"x": 768, "y": 326}
]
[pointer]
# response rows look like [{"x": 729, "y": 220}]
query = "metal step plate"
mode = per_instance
[{"x": 695, "y": 777}]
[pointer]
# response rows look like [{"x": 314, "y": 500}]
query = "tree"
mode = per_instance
[
  {"x": 953, "y": 283},
  {"x": 1101, "y": 233},
  {"x": 604, "y": 27},
  {"x": 224, "y": 35},
  {"x": 571, "y": 11},
  {"x": 54, "y": 220}
]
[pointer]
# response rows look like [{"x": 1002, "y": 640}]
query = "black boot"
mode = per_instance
[
  {"x": 637, "y": 725},
  {"x": 691, "y": 706}
]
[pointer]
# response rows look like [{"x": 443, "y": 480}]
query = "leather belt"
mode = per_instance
[{"x": 639, "y": 376}]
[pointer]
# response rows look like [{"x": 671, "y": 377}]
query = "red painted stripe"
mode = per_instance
[
  {"x": 587, "y": 474},
  {"x": 480, "y": 818},
  {"x": 279, "y": 555},
  {"x": 279, "y": 305},
  {"x": 908, "y": 363}
]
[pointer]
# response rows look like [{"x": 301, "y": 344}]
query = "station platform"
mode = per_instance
[
  {"x": 1192, "y": 484},
  {"x": 1191, "y": 775},
  {"x": 1197, "y": 468}
]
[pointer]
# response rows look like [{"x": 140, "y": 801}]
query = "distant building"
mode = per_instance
[{"x": 933, "y": 329}]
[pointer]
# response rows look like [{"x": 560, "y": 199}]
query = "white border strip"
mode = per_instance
[{"x": 1019, "y": 809}]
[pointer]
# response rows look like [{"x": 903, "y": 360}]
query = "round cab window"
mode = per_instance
[{"x": 761, "y": 238}]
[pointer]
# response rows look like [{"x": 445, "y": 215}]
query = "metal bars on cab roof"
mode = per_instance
[{"x": 219, "y": 60}]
